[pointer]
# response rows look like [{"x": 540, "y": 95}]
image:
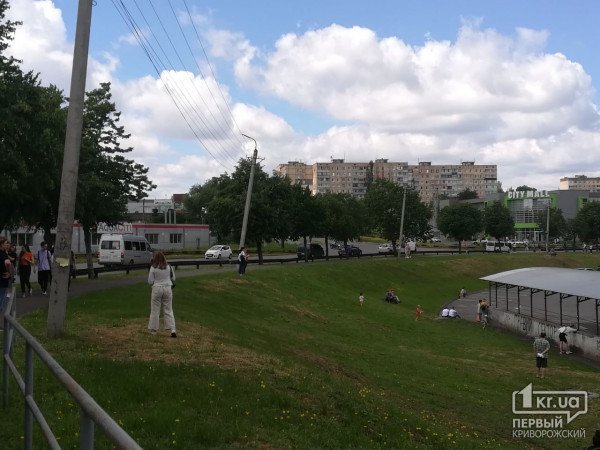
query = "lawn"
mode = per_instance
[{"x": 286, "y": 358}]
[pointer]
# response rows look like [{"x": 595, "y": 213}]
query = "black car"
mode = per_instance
[
  {"x": 349, "y": 250},
  {"x": 315, "y": 251}
]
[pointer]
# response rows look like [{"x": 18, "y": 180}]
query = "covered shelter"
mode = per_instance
[{"x": 568, "y": 295}]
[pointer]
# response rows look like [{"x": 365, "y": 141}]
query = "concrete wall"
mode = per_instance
[{"x": 585, "y": 345}]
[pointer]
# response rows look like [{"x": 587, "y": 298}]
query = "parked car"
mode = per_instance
[
  {"x": 218, "y": 252},
  {"x": 315, "y": 251},
  {"x": 498, "y": 247},
  {"x": 385, "y": 249},
  {"x": 350, "y": 250}
]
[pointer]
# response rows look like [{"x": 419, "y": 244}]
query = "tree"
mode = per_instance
[
  {"x": 587, "y": 223},
  {"x": 107, "y": 180},
  {"x": 525, "y": 188},
  {"x": 307, "y": 217},
  {"x": 344, "y": 216},
  {"x": 383, "y": 203},
  {"x": 460, "y": 221},
  {"x": 467, "y": 194},
  {"x": 497, "y": 221},
  {"x": 558, "y": 224},
  {"x": 384, "y": 207}
]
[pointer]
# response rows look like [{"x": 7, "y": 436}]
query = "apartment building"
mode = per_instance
[
  {"x": 431, "y": 181},
  {"x": 580, "y": 182},
  {"x": 297, "y": 172},
  {"x": 448, "y": 180}
]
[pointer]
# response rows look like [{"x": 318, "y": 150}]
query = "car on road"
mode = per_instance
[
  {"x": 498, "y": 247},
  {"x": 385, "y": 249},
  {"x": 315, "y": 251},
  {"x": 218, "y": 252},
  {"x": 349, "y": 250}
]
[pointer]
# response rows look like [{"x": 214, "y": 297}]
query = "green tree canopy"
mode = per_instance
[
  {"x": 558, "y": 224},
  {"x": 497, "y": 221},
  {"x": 460, "y": 221},
  {"x": 587, "y": 222},
  {"x": 467, "y": 194},
  {"x": 107, "y": 180}
]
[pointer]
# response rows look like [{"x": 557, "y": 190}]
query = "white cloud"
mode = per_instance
[{"x": 483, "y": 97}]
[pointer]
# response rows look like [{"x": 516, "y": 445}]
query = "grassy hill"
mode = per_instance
[{"x": 286, "y": 358}]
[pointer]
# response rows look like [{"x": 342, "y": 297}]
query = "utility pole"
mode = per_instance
[
  {"x": 248, "y": 193},
  {"x": 70, "y": 171},
  {"x": 402, "y": 220},
  {"x": 548, "y": 227}
]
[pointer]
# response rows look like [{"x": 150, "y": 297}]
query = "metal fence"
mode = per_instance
[{"x": 90, "y": 413}]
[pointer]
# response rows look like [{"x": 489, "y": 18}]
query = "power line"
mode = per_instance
[{"x": 178, "y": 92}]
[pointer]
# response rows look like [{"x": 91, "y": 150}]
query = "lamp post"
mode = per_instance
[{"x": 248, "y": 193}]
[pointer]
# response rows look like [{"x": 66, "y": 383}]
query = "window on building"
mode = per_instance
[
  {"x": 152, "y": 238},
  {"x": 175, "y": 238},
  {"x": 24, "y": 238}
]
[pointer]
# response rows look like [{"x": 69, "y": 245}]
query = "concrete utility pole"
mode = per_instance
[
  {"x": 248, "y": 193},
  {"x": 548, "y": 227},
  {"x": 402, "y": 220},
  {"x": 70, "y": 171}
]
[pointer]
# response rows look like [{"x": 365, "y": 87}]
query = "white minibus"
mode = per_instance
[{"x": 125, "y": 249}]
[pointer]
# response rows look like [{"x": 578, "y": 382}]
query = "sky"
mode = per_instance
[{"x": 502, "y": 82}]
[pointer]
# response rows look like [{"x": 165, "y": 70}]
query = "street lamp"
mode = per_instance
[
  {"x": 404, "y": 187},
  {"x": 248, "y": 193}
]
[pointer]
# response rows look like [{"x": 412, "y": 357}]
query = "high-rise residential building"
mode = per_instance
[
  {"x": 448, "y": 180},
  {"x": 431, "y": 181},
  {"x": 580, "y": 182},
  {"x": 297, "y": 172}
]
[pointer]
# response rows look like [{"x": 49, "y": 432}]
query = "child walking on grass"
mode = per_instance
[
  {"x": 418, "y": 312},
  {"x": 361, "y": 298}
]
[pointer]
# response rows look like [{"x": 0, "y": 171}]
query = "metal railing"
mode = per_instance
[{"x": 90, "y": 413}]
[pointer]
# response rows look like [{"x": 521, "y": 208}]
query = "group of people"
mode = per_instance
[
  {"x": 450, "y": 313},
  {"x": 24, "y": 264},
  {"x": 541, "y": 347},
  {"x": 391, "y": 297}
]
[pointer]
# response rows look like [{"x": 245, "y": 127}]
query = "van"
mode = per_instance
[{"x": 127, "y": 249}]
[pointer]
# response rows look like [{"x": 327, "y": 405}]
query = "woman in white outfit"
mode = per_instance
[{"x": 161, "y": 277}]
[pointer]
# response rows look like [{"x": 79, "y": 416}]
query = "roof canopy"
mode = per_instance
[{"x": 582, "y": 283}]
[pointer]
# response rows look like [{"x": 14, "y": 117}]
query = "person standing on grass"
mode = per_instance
[
  {"x": 161, "y": 277},
  {"x": 418, "y": 312},
  {"x": 361, "y": 298},
  {"x": 44, "y": 267},
  {"x": 25, "y": 263},
  {"x": 242, "y": 261},
  {"x": 541, "y": 347},
  {"x": 563, "y": 344}
]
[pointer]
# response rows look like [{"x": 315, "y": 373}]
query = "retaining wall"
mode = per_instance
[{"x": 581, "y": 344}]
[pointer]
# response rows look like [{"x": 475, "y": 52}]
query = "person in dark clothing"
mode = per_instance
[
  {"x": 44, "y": 265},
  {"x": 25, "y": 263}
]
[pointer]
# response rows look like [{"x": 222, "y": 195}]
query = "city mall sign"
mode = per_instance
[{"x": 527, "y": 194}]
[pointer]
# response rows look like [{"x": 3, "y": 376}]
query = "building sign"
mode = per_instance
[
  {"x": 123, "y": 228},
  {"x": 527, "y": 194}
]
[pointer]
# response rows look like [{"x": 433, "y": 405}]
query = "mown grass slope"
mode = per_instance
[{"x": 286, "y": 358}]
